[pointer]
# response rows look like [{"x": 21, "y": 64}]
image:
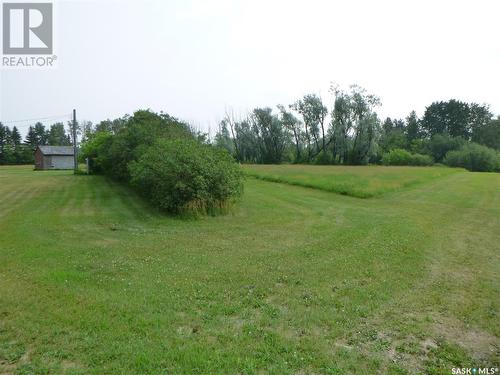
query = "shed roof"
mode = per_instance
[{"x": 57, "y": 150}]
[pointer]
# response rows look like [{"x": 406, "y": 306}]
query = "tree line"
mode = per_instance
[
  {"x": 347, "y": 130},
  {"x": 350, "y": 131},
  {"x": 13, "y": 150}
]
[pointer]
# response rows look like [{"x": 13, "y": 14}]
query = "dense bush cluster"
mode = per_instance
[
  {"x": 165, "y": 162},
  {"x": 115, "y": 144},
  {"x": 184, "y": 175},
  {"x": 475, "y": 158},
  {"x": 403, "y": 157}
]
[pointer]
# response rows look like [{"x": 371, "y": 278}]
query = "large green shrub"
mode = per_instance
[
  {"x": 421, "y": 160},
  {"x": 96, "y": 150},
  {"x": 397, "y": 156},
  {"x": 473, "y": 157},
  {"x": 402, "y": 157},
  {"x": 186, "y": 176},
  {"x": 439, "y": 145}
]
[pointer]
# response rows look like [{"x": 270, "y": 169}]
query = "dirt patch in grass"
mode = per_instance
[
  {"x": 12, "y": 356},
  {"x": 481, "y": 345}
]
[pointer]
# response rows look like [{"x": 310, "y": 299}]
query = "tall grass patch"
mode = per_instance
[{"x": 359, "y": 181}]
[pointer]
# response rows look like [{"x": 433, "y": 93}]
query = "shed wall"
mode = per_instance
[
  {"x": 39, "y": 160},
  {"x": 60, "y": 162}
]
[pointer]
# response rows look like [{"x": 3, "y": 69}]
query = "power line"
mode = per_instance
[{"x": 66, "y": 116}]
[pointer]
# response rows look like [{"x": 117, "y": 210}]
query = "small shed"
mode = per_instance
[{"x": 54, "y": 157}]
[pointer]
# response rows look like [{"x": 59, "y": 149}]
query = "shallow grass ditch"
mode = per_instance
[{"x": 355, "y": 181}]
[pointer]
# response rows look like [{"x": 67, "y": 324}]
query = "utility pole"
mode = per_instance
[{"x": 75, "y": 157}]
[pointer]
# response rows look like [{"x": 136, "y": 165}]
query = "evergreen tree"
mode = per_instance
[
  {"x": 412, "y": 128},
  {"x": 31, "y": 139},
  {"x": 41, "y": 134},
  {"x": 15, "y": 137},
  {"x": 387, "y": 126},
  {"x": 57, "y": 135}
]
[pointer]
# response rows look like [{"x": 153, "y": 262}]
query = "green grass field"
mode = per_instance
[
  {"x": 294, "y": 281},
  {"x": 360, "y": 182}
]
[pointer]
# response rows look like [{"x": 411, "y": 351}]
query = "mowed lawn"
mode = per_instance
[
  {"x": 361, "y": 182},
  {"x": 294, "y": 281}
]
